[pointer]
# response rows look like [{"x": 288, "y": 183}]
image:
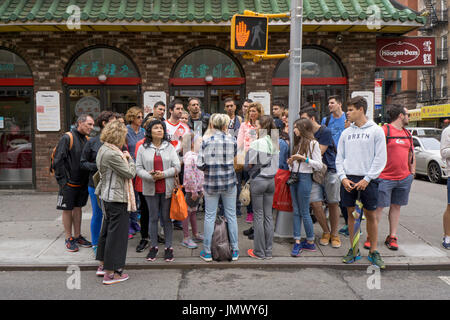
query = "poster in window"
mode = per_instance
[{"x": 48, "y": 111}]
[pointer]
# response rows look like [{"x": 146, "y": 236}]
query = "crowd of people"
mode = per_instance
[{"x": 130, "y": 170}]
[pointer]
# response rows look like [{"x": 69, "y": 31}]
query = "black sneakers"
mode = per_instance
[
  {"x": 152, "y": 254},
  {"x": 143, "y": 244},
  {"x": 248, "y": 231},
  {"x": 168, "y": 254},
  {"x": 82, "y": 242}
]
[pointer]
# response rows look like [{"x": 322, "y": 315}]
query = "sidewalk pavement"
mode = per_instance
[{"x": 32, "y": 238}]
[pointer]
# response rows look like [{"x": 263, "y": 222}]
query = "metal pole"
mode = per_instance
[
  {"x": 283, "y": 228},
  {"x": 295, "y": 65}
]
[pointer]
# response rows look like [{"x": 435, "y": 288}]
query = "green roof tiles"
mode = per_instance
[{"x": 182, "y": 11}]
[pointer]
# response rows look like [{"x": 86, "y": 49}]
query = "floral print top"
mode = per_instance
[{"x": 193, "y": 177}]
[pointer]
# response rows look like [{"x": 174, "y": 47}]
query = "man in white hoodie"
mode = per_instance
[{"x": 361, "y": 157}]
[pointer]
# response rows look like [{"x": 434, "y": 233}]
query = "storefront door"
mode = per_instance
[
  {"x": 212, "y": 97},
  {"x": 16, "y": 141}
]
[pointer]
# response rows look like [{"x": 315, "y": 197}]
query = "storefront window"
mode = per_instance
[
  {"x": 87, "y": 94},
  {"x": 13, "y": 66},
  {"x": 203, "y": 62},
  {"x": 16, "y": 110},
  {"x": 190, "y": 73},
  {"x": 322, "y": 76},
  {"x": 102, "y": 61},
  {"x": 315, "y": 64}
]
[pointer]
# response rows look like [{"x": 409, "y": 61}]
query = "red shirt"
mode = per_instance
[
  {"x": 160, "y": 185},
  {"x": 397, "y": 165}
]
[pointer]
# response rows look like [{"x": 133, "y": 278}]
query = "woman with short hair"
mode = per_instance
[
  {"x": 115, "y": 189},
  {"x": 157, "y": 164}
]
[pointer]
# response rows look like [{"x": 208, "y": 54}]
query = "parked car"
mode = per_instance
[
  {"x": 426, "y": 132},
  {"x": 428, "y": 158}
]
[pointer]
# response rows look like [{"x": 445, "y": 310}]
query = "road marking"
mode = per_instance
[{"x": 445, "y": 279}]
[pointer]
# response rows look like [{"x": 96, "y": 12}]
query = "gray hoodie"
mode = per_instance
[
  {"x": 445, "y": 147},
  {"x": 361, "y": 151}
]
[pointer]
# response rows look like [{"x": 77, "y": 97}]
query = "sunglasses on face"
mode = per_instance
[{"x": 140, "y": 117}]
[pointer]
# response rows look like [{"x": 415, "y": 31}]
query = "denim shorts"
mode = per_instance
[
  {"x": 330, "y": 191},
  {"x": 394, "y": 191},
  {"x": 448, "y": 190},
  {"x": 369, "y": 197}
]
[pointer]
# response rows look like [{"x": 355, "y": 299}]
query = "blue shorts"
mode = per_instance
[
  {"x": 448, "y": 190},
  {"x": 394, "y": 191},
  {"x": 369, "y": 197}
]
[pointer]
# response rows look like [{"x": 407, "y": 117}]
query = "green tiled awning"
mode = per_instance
[{"x": 181, "y": 12}]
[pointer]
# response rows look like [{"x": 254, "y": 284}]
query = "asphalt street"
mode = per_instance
[{"x": 234, "y": 284}]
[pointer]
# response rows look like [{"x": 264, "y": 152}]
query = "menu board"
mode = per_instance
[{"x": 48, "y": 111}]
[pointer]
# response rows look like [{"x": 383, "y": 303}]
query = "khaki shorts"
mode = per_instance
[{"x": 330, "y": 191}]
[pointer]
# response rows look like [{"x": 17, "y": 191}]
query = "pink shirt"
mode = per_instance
[{"x": 247, "y": 134}]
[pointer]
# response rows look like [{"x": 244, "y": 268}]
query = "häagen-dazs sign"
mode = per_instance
[{"x": 406, "y": 52}]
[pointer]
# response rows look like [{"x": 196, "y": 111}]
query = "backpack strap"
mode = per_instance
[
  {"x": 71, "y": 139},
  {"x": 327, "y": 121}
]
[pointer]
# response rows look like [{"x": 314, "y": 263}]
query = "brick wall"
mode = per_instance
[{"x": 155, "y": 53}]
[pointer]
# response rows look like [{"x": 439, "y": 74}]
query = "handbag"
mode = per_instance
[
  {"x": 178, "y": 205},
  {"x": 318, "y": 176},
  {"x": 244, "y": 196},
  {"x": 96, "y": 178}
]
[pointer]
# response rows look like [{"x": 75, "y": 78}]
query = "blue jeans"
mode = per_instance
[
  {"x": 97, "y": 217},
  {"x": 300, "y": 193},
  {"x": 229, "y": 203}
]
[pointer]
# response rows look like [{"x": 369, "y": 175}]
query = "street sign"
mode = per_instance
[{"x": 249, "y": 33}]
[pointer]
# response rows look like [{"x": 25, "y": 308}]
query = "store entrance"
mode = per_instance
[
  {"x": 95, "y": 99},
  {"x": 212, "y": 97}
]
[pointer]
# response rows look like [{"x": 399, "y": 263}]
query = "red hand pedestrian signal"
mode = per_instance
[{"x": 242, "y": 34}]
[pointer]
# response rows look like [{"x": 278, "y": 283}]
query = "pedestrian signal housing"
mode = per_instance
[{"x": 249, "y": 33}]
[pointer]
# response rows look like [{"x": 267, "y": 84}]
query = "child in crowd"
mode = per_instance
[{"x": 193, "y": 184}]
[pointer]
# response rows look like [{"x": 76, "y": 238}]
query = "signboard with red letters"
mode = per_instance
[{"x": 406, "y": 52}]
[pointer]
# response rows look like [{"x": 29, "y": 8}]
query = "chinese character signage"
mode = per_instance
[
  {"x": 221, "y": 70},
  {"x": 406, "y": 52},
  {"x": 249, "y": 33},
  {"x": 95, "y": 68}
]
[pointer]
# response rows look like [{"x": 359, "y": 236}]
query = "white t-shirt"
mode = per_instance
[{"x": 176, "y": 133}]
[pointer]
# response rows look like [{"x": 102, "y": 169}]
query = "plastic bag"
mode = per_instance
[{"x": 282, "y": 199}]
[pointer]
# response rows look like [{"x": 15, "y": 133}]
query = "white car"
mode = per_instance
[
  {"x": 426, "y": 132},
  {"x": 428, "y": 158}
]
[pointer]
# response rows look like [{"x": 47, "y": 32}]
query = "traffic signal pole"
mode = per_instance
[{"x": 295, "y": 66}]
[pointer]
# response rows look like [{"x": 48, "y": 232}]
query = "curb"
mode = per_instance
[{"x": 243, "y": 263}]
